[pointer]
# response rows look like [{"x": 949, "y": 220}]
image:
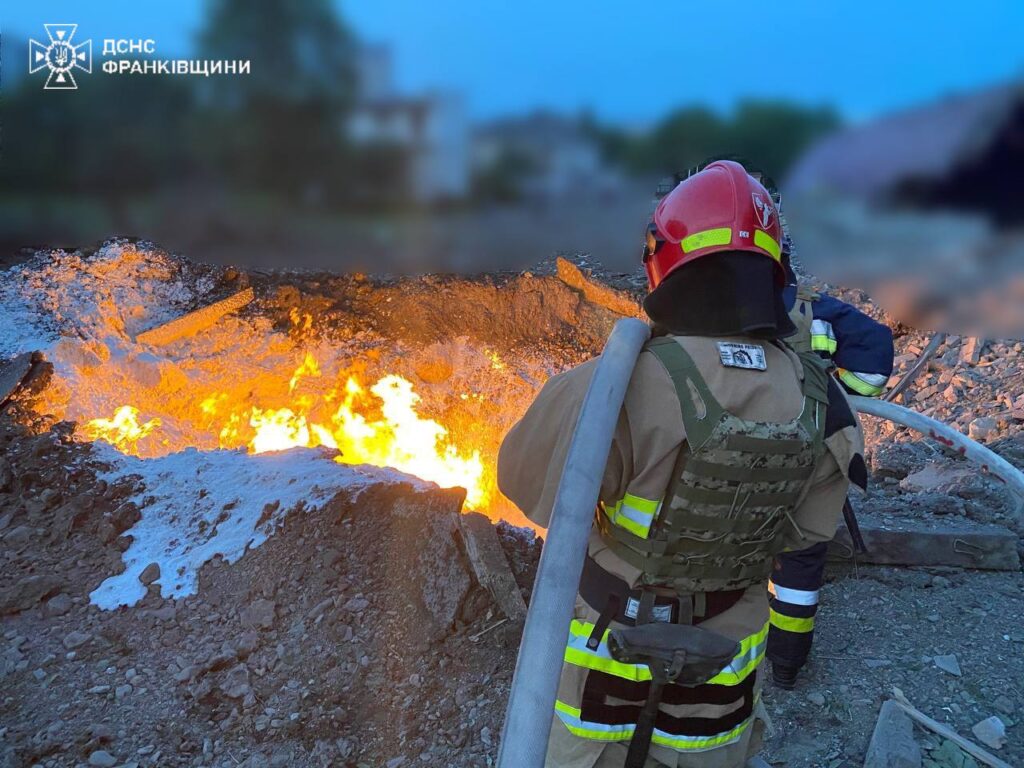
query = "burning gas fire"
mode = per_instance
[{"x": 379, "y": 426}]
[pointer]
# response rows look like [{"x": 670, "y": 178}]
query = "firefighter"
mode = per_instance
[
  {"x": 861, "y": 351},
  {"x": 729, "y": 447}
]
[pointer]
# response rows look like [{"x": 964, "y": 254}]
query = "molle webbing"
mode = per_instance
[
  {"x": 735, "y": 485},
  {"x": 802, "y": 315}
]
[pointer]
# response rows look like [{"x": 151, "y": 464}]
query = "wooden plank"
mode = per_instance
[
  {"x": 490, "y": 564},
  {"x": 988, "y": 547},
  {"x": 194, "y": 322}
]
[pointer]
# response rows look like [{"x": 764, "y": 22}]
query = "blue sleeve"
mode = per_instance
[{"x": 862, "y": 344}]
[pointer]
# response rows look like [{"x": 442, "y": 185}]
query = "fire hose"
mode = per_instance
[
  {"x": 524, "y": 739},
  {"x": 992, "y": 464}
]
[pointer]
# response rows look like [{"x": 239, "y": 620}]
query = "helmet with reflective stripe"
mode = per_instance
[{"x": 722, "y": 208}]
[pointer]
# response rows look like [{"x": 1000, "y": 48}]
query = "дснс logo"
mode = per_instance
[{"x": 61, "y": 56}]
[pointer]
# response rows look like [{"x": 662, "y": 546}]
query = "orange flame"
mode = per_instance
[
  {"x": 381, "y": 427},
  {"x": 122, "y": 430}
]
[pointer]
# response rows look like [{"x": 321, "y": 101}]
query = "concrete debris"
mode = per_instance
[
  {"x": 195, "y": 322},
  {"x": 260, "y": 613},
  {"x": 13, "y": 373},
  {"x": 948, "y": 663},
  {"x": 892, "y": 743},
  {"x": 982, "y": 428},
  {"x": 490, "y": 565},
  {"x": 971, "y": 349},
  {"x": 988, "y": 547},
  {"x": 935, "y": 475},
  {"x": 102, "y": 759},
  {"x": 991, "y": 732}
]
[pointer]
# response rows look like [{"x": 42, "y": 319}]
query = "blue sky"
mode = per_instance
[{"x": 632, "y": 62}]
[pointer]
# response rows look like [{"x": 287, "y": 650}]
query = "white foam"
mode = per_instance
[{"x": 196, "y": 505}]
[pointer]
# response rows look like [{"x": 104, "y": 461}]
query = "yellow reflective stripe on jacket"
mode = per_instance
[
  {"x": 790, "y": 624},
  {"x": 763, "y": 240},
  {"x": 634, "y": 513},
  {"x": 570, "y": 717},
  {"x": 706, "y": 239},
  {"x": 867, "y": 384},
  {"x": 823, "y": 337},
  {"x": 577, "y": 653}
]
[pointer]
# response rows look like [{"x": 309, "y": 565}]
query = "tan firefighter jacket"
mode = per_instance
[{"x": 597, "y": 693}]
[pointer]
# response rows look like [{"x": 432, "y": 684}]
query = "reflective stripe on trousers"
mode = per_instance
[
  {"x": 794, "y": 596},
  {"x": 794, "y": 592},
  {"x": 570, "y": 717},
  {"x": 744, "y": 664},
  {"x": 752, "y": 649}
]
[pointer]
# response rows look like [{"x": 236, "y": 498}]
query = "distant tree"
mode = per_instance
[
  {"x": 680, "y": 141},
  {"x": 772, "y": 134},
  {"x": 114, "y": 136},
  {"x": 281, "y": 126}
]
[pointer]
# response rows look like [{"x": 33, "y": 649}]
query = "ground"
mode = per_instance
[{"x": 351, "y": 631}]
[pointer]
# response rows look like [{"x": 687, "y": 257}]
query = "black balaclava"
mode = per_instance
[{"x": 734, "y": 293}]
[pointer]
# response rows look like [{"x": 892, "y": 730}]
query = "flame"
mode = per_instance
[
  {"x": 379, "y": 426},
  {"x": 122, "y": 430}
]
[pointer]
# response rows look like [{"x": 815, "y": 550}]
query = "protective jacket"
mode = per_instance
[
  {"x": 860, "y": 347},
  {"x": 645, "y": 490}
]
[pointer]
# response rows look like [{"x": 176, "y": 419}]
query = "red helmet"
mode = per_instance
[{"x": 722, "y": 208}]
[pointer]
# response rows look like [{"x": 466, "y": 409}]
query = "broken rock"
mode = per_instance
[
  {"x": 150, "y": 574},
  {"x": 991, "y": 732},
  {"x": 102, "y": 759},
  {"x": 892, "y": 743},
  {"x": 259, "y": 613},
  {"x": 948, "y": 663},
  {"x": 26, "y": 592},
  {"x": 982, "y": 428},
  {"x": 236, "y": 682},
  {"x": 76, "y": 639}
]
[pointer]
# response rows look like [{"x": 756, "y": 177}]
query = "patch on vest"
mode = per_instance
[{"x": 749, "y": 356}]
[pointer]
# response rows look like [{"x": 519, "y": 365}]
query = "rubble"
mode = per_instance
[{"x": 320, "y": 625}]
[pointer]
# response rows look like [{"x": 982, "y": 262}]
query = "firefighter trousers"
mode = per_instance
[{"x": 794, "y": 586}]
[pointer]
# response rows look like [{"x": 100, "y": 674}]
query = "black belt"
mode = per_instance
[{"x": 613, "y": 597}]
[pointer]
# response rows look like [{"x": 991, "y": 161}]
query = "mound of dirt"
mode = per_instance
[{"x": 346, "y": 638}]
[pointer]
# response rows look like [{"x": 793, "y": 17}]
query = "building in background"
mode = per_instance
[
  {"x": 430, "y": 129},
  {"x": 545, "y": 156}
]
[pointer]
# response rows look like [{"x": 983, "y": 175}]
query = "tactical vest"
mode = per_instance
[
  {"x": 735, "y": 486},
  {"x": 802, "y": 315}
]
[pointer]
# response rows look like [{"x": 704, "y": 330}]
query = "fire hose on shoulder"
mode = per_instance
[{"x": 524, "y": 739}]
